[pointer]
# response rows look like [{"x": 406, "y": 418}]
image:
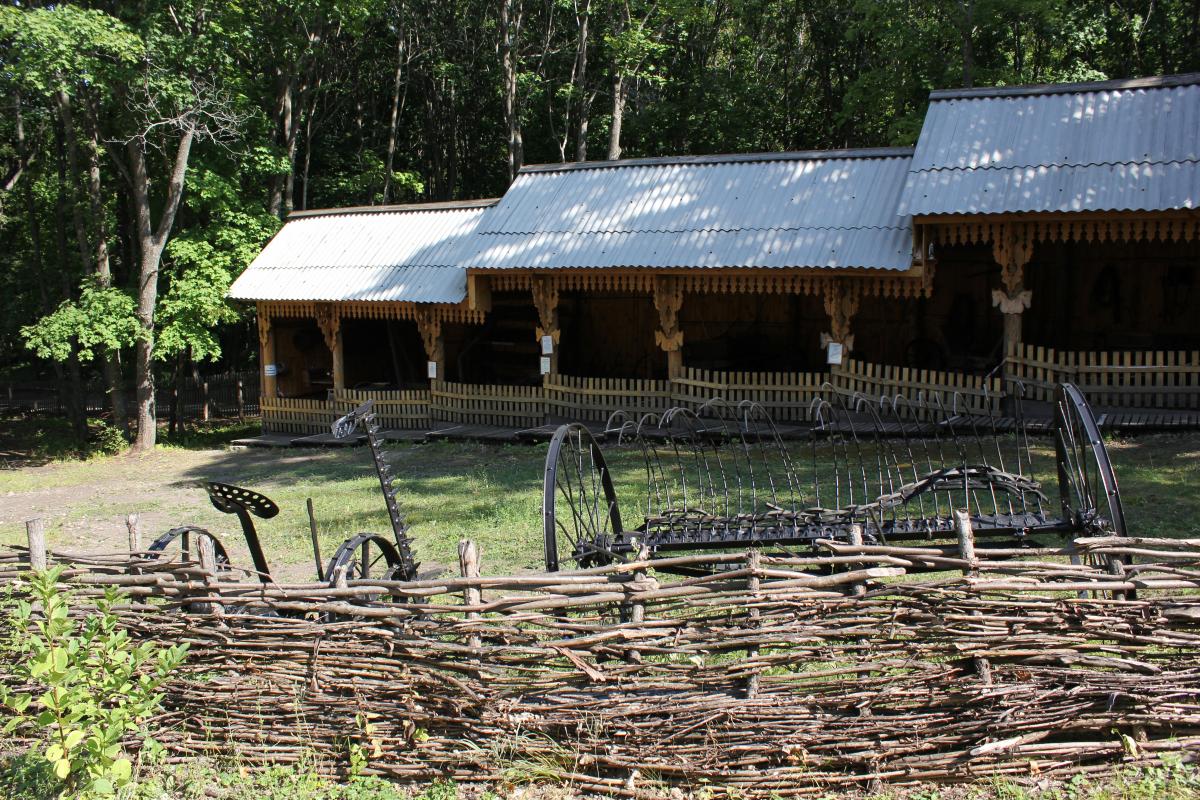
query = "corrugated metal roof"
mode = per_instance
[
  {"x": 820, "y": 209},
  {"x": 408, "y": 253},
  {"x": 1111, "y": 146}
]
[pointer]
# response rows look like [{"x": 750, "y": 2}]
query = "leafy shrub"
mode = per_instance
[
  {"x": 91, "y": 687},
  {"x": 105, "y": 439}
]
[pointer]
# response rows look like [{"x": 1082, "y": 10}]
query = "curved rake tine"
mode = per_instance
[
  {"x": 1021, "y": 437},
  {"x": 719, "y": 409},
  {"x": 991, "y": 412},
  {"x": 960, "y": 397}
]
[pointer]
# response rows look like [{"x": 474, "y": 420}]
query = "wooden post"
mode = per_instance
[
  {"x": 35, "y": 533},
  {"x": 841, "y": 300},
  {"x": 668, "y": 300},
  {"x": 331, "y": 328},
  {"x": 204, "y": 405},
  {"x": 637, "y": 609},
  {"x": 545, "y": 299},
  {"x": 133, "y": 526},
  {"x": 429, "y": 325},
  {"x": 753, "y": 584},
  {"x": 208, "y": 563},
  {"x": 858, "y": 589},
  {"x": 241, "y": 401},
  {"x": 266, "y": 349},
  {"x": 1012, "y": 248},
  {"x": 468, "y": 565},
  {"x": 966, "y": 550}
]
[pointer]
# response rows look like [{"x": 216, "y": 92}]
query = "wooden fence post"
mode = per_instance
[
  {"x": 754, "y": 584},
  {"x": 204, "y": 412},
  {"x": 468, "y": 565},
  {"x": 966, "y": 549},
  {"x": 208, "y": 563},
  {"x": 35, "y": 533},
  {"x": 134, "y": 527},
  {"x": 637, "y": 609},
  {"x": 241, "y": 401}
]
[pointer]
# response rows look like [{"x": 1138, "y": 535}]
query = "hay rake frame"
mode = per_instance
[{"x": 720, "y": 477}]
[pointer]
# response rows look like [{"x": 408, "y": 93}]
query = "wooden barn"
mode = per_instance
[{"x": 1034, "y": 234}]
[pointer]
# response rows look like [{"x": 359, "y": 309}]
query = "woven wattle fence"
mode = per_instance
[{"x": 778, "y": 676}]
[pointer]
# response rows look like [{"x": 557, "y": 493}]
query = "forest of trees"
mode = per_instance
[{"x": 148, "y": 148}]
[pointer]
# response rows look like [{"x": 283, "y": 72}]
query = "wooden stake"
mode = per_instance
[
  {"x": 468, "y": 565},
  {"x": 966, "y": 549},
  {"x": 208, "y": 563},
  {"x": 753, "y": 584},
  {"x": 134, "y": 528},
  {"x": 35, "y": 532}
]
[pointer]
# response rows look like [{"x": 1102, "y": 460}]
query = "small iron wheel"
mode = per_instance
[
  {"x": 182, "y": 545},
  {"x": 369, "y": 555}
]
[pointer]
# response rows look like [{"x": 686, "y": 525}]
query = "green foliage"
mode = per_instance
[
  {"x": 273, "y": 783},
  {"x": 102, "y": 321},
  {"x": 105, "y": 439},
  {"x": 90, "y": 686},
  {"x": 64, "y": 46}
]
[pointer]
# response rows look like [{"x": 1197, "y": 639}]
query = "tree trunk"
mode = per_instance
[
  {"x": 968, "y": 47},
  {"x": 510, "y": 31},
  {"x": 618, "y": 114},
  {"x": 618, "y": 92},
  {"x": 104, "y": 279},
  {"x": 394, "y": 127},
  {"x": 581, "y": 45},
  {"x": 278, "y": 202},
  {"x": 151, "y": 241}
]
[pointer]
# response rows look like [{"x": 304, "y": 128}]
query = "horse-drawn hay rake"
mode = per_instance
[{"x": 721, "y": 477}]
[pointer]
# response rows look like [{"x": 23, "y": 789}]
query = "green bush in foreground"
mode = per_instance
[{"x": 92, "y": 687}]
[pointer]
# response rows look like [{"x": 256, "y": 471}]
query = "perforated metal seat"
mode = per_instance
[{"x": 229, "y": 499}]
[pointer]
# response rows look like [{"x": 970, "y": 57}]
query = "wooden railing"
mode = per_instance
[
  {"x": 1158, "y": 380},
  {"x": 1137, "y": 378}
]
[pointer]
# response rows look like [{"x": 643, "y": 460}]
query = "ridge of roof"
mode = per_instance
[
  {"x": 729, "y": 158},
  {"x": 1153, "y": 82},
  {"x": 447, "y": 205}
]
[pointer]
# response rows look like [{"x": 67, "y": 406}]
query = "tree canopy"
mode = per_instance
[{"x": 148, "y": 149}]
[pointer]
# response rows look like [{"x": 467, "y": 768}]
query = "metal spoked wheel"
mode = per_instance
[
  {"x": 579, "y": 507},
  {"x": 182, "y": 545},
  {"x": 369, "y": 555},
  {"x": 1091, "y": 499}
]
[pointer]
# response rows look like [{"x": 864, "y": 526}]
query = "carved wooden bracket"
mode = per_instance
[
  {"x": 1014, "y": 303},
  {"x": 330, "y": 324},
  {"x": 430, "y": 327},
  {"x": 841, "y": 304},
  {"x": 668, "y": 299},
  {"x": 1012, "y": 248},
  {"x": 545, "y": 299},
  {"x": 264, "y": 329}
]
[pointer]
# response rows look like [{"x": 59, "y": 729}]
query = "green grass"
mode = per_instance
[{"x": 449, "y": 491}]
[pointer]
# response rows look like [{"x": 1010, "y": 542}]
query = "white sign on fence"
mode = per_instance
[{"x": 432, "y": 370}]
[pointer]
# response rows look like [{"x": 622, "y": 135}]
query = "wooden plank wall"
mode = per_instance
[
  {"x": 1132, "y": 379},
  {"x": 1129, "y": 379}
]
